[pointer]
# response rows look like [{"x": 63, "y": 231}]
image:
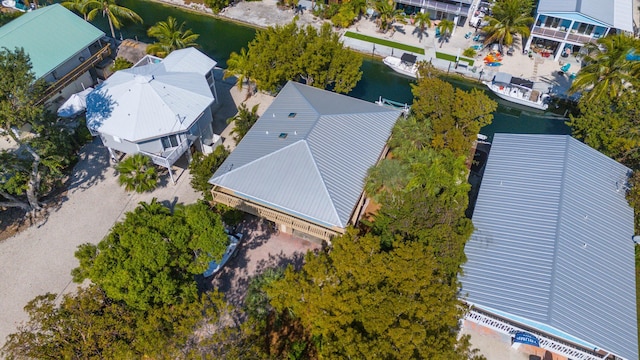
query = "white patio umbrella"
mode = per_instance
[{"x": 76, "y": 104}]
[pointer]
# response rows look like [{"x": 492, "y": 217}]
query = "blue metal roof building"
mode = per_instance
[
  {"x": 552, "y": 251},
  {"x": 303, "y": 164}
]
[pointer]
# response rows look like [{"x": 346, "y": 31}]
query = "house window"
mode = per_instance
[
  {"x": 584, "y": 28},
  {"x": 552, "y": 22},
  {"x": 169, "y": 141}
]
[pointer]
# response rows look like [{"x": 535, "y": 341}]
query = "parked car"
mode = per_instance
[{"x": 215, "y": 266}]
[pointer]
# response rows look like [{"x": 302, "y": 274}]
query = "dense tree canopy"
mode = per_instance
[
  {"x": 202, "y": 168},
  {"x": 611, "y": 126},
  {"x": 318, "y": 58},
  {"x": 32, "y": 170},
  {"x": 152, "y": 256},
  {"x": 360, "y": 301},
  {"x": 90, "y": 325}
]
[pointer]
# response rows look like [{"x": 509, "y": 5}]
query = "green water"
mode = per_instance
[{"x": 219, "y": 38}]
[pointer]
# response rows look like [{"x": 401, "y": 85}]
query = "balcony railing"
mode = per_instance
[
  {"x": 75, "y": 73},
  {"x": 169, "y": 157},
  {"x": 459, "y": 9},
  {"x": 560, "y": 35}
]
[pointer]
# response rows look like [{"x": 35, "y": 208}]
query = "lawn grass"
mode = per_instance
[
  {"x": 452, "y": 58},
  {"x": 384, "y": 42}
]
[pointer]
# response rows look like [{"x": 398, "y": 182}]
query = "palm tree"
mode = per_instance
[
  {"x": 137, "y": 173},
  {"x": 510, "y": 17},
  {"x": 422, "y": 22},
  {"x": 113, "y": 12},
  {"x": 170, "y": 36},
  {"x": 446, "y": 28},
  {"x": 388, "y": 15},
  {"x": 359, "y": 7},
  {"x": 608, "y": 72},
  {"x": 79, "y": 6},
  {"x": 244, "y": 120},
  {"x": 239, "y": 65}
]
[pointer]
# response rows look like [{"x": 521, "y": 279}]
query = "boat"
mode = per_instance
[
  {"x": 517, "y": 90},
  {"x": 405, "y": 65},
  {"x": 16, "y": 5}
]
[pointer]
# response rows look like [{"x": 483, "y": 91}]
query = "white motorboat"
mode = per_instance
[
  {"x": 15, "y": 4},
  {"x": 519, "y": 91},
  {"x": 405, "y": 65}
]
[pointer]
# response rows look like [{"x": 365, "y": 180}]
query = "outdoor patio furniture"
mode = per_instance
[{"x": 565, "y": 67}]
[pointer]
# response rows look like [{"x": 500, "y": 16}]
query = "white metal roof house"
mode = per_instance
[
  {"x": 552, "y": 253},
  {"x": 303, "y": 164},
  {"x": 568, "y": 25},
  {"x": 159, "y": 107},
  {"x": 62, "y": 48}
]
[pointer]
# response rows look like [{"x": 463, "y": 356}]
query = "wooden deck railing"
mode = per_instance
[
  {"x": 273, "y": 215},
  {"x": 75, "y": 73}
]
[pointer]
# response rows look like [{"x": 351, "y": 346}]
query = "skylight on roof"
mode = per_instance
[
  {"x": 283, "y": 135},
  {"x": 292, "y": 115}
]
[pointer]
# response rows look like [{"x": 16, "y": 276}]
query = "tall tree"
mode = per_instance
[
  {"x": 456, "y": 116},
  {"x": 608, "y": 72},
  {"x": 611, "y": 126},
  {"x": 446, "y": 29},
  {"x": 78, "y": 6},
  {"x": 170, "y": 36},
  {"x": 243, "y": 121},
  {"x": 88, "y": 324},
  {"x": 360, "y": 301},
  {"x": 19, "y": 92},
  {"x": 240, "y": 65},
  {"x": 509, "y": 18},
  {"x": 422, "y": 22},
  {"x": 114, "y": 13},
  {"x": 202, "y": 168},
  {"x": 284, "y": 53},
  {"x": 137, "y": 173},
  {"x": 152, "y": 256},
  {"x": 387, "y": 15}
]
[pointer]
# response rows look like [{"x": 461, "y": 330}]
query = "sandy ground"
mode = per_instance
[{"x": 40, "y": 259}]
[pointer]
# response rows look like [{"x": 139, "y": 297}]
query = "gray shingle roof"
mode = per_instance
[
  {"x": 317, "y": 172},
  {"x": 616, "y": 13},
  {"x": 553, "y": 240}
]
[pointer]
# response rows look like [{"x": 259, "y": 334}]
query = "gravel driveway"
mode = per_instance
[{"x": 39, "y": 259}]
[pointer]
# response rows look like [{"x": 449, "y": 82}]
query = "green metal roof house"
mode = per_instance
[{"x": 61, "y": 45}]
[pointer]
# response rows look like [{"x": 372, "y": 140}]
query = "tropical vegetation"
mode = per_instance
[
  {"x": 240, "y": 65},
  {"x": 43, "y": 151},
  {"x": 150, "y": 259},
  {"x": 137, "y": 173},
  {"x": 110, "y": 9},
  {"x": 216, "y": 5},
  {"x": 388, "y": 15},
  {"x": 121, "y": 63},
  {"x": 170, "y": 36},
  {"x": 608, "y": 72},
  {"x": 509, "y": 18},
  {"x": 202, "y": 168},
  {"x": 315, "y": 57},
  {"x": 243, "y": 121},
  {"x": 77, "y": 6},
  {"x": 446, "y": 29},
  {"x": 422, "y": 21}
]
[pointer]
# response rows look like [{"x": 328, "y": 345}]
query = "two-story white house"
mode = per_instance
[
  {"x": 159, "y": 107},
  {"x": 456, "y": 11},
  {"x": 564, "y": 27}
]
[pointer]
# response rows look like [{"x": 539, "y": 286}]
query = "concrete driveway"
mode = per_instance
[{"x": 39, "y": 259}]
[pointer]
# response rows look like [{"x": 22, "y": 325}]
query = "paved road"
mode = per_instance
[{"x": 39, "y": 259}]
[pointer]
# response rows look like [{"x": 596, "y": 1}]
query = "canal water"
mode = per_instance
[{"x": 219, "y": 38}]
